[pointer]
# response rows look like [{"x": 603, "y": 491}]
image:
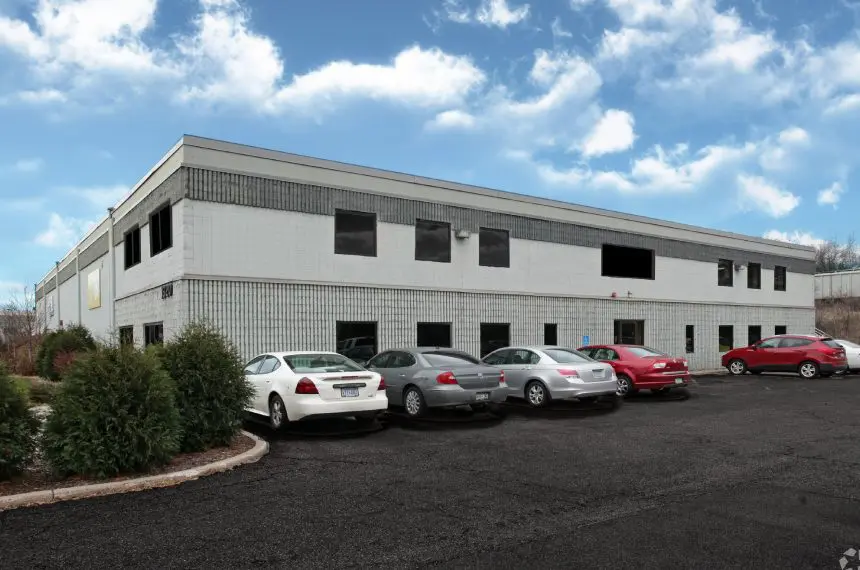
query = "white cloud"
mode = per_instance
[
  {"x": 793, "y": 135},
  {"x": 452, "y": 119},
  {"x": 558, "y": 30},
  {"x": 798, "y": 237},
  {"x": 777, "y": 154},
  {"x": 102, "y": 197},
  {"x": 756, "y": 193},
  {"x": 29, "y": 165},
  {"x": 455, "y": 11},
  {"x": 831, "y": 195},
  {"x": 843, "y": 104},
  {"x": 612, "y": 133},
  {"x": 63, "y": 232},
  {"x": 490, "y": 13},
  {"x": 35, "y": 97}
]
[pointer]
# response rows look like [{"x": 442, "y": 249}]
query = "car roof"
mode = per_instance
[
  {"x": 540, "y": 347},
  {"x": 423, "y": 349},
  {"x": 282, "y": 354},
  {"x": 809, "y": 336}
]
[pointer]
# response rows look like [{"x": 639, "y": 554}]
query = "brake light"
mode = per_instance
[
  {"x": 659, "y": 365},
  {"x": 501, "y": 376},
  {"x": 569, "y": 373},
  {"x": 833, "y": 351},
  {"x": 381, "y": 383},
  {"x": 446, "y": 378},
  {"x": 306, "y": 386}
]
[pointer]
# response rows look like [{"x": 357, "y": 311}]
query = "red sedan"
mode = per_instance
[{"x": 640, "y": 367}]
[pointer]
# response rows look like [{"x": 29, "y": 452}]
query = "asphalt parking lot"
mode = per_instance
[{"x": 756, "y": 472}]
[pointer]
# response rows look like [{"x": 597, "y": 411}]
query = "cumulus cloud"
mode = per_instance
[
  {"x": 798, "y": 237},
  {"x": 490, "y": 13},
  {"x": 612, "y": 133},
  {"x": 831, "y": 195},
  {"x": 756, "y": 193},
  {"x": 63, "y": 232}
]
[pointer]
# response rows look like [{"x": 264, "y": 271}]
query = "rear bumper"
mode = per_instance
[
  {"x": 317, "y": 408},
  {"x": 572, "y": 390},
  {"x": 829, "y": 368},
  {"x": 660, "y": 380},
  {"x": 453, "y": 395}
]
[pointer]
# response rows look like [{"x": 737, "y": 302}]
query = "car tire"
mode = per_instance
[
  {"x": 413, "y": 402},
  {"x": 808, "y": 369},
  {"x": 737, "y": 367},
  {"x": 277, "y": 412},
  {"x": 625, "y": 385},
  {"x": 537, "y": 394}
]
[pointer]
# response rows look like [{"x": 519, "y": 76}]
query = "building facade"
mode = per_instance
[
  {"x": 288, "y": 252},
  {"x": 838, "y": 285}
]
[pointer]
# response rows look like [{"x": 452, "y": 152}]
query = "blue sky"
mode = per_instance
[{"x": 739, "y": 116}]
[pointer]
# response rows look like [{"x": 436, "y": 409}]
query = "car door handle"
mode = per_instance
[{"x": 402, "y": 375}]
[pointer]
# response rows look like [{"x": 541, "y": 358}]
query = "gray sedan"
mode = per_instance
[
  {"x": 540, "y": 374},
  {"x": 421, "y": 378}
]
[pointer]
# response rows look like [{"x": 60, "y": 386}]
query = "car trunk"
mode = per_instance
[
  {"x": 672, "y": 364},
  {"x": 474, "y": 377},
  {"x": 344, "y": 385},
  {"x": 595, "y": 372}
]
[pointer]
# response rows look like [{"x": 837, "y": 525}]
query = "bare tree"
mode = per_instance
[
  {"x": 832, "y": 256},
  {"x": 20, "y": 327}
]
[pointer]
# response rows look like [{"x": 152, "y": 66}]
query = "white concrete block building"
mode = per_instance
[{"x": 290, "y": 252}]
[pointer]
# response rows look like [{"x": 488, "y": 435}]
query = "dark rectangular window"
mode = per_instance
[
  {"x": 153, "y": 333},
  {"x": 629, "y": 332},
  {"x": 355, "y": 233},
  {"x": 357, "y": 340},
  {"x": 753, "y": 334},
  {"x": 160, "y": 231},
  {"x": 779, "y": 278},
  {"x": 434, "y": 334},
  {"x": 550, "y": 334},
  {"x": 494, "y": 336},
  {"x": 754, "y": 276},
  {"x": 132, "y": 248},
  {"x": 689, "y": 339},
  {"x": 780, "y": 329},
  {"x": 494, "y": 248},
  {"x": 725, "y": 273},
  {"x": 626, "y": 262},
  {"x": 126, "y": 336},
  {"x": 727, "y": 337},
  {"x": 432, "y": 241}
]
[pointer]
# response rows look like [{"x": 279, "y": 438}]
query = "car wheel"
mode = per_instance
[
  {"x": 737, "y": 367},
  {"x": 536, "y": 394},
  {"x": 414, "y": 402},
  {"x": 625, "y": 385},
  {"x": 808, "y": 369},
  {"x": 277, "y": 412}
]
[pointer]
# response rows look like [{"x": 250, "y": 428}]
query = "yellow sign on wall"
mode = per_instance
[{"x": 94, "y": 289}]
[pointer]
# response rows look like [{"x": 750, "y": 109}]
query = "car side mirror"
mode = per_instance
[{"x": 754, "y": 346}]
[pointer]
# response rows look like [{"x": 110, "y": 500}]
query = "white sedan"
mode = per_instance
[
  {"x": 852, "y": 354},
  {"x": 292, "y": 386}
]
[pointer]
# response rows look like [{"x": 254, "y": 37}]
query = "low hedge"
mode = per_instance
[
  {"x": 18, "y": 427},
  {"x": 58, "y": 350},
  {"x": 114, "y": 413}
]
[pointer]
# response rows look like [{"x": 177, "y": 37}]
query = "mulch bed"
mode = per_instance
[{"x": 36, "y": 478}]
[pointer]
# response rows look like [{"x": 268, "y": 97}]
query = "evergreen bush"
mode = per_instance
[{"x": 19, "y": 428}]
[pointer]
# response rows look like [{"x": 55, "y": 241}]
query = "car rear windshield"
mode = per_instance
[
  {"x": 644, "y": 352},
  {"x": 564, "y": 356},
  {"x": 321, "y": 363},
  {"x": 449, "y": 359},
  {"x": 830, "y": 343}
]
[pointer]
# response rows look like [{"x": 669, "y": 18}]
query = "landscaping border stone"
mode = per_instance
[{"x": 49, "y": 496}]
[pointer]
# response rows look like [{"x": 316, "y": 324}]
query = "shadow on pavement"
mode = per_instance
[
  {"x": 336, "y": 428},
  {"x": 457, "y": 418},
  {"x": 561, "y": 410},
  {"x": 646, "y": 396}
]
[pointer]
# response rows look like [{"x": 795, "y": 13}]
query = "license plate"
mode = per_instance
[
  {"x": 482, "y": 396},
  {"x": 679, "y": 380},
  {"x": 349, "y": 392}
]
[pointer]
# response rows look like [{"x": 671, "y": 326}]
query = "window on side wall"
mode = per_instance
[
  {"x": 494, "y": 248},
  {"x": 432, "y": 241},
  {"x": 626, "y": 262},
  {"x": 689, "y": 339},
  {"x": 355, "y": 233},
  {"x": 126, "y": 336},
  {"x": 132, "y": 248},
  {"x": 153, "y": 333},
  {"x": 754, "y": 276},
  {"x": 160, "y": 231},
  {"x": 779, "y": 278},
  {"x": 725, "y": 273},
  {"x": 727, "y": 337},
  {"x": 753, "y": 334}
]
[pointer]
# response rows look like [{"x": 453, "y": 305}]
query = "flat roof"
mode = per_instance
[{"x": 337, "y": 166}]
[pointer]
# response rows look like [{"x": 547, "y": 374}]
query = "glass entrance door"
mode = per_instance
[{"x": 629, "y": 332}]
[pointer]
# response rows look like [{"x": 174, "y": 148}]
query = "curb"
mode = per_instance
[{"x": 49, "y": 496}]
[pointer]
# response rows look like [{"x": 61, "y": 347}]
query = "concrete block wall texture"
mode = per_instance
[{"x": 150, "y": 307}]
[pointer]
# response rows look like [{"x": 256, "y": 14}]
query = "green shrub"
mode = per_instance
[
  {"x": 42, "y": 391},
  {"x": 210, "y": 382},
  {"x": 18, "y": 428},
  {"x": 114, "y": 413},
  {"x": 21, "y": 385},
  {"x": 58, "y": 345}
]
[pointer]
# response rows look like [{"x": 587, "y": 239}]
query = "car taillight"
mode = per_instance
[
  {"x": 446, "y": 378},
  {"x": 306, "y": 386},
  {"x": 381, "y": 383},
  {"x": 501, "y": 376},
  {"x": 838, "y": 352},
  {"x": 569, "y": 373},
  {"x": 659, "y": 365}
]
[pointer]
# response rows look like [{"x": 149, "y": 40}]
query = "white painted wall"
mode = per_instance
[
  {"x": 836, "y": 285},
  {"x": 96, "y": 320},
  {"x": 242, "y": 242},
  {"x": 69, "y": 302}
]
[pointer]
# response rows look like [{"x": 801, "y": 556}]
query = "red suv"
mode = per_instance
[
  {"x": 641, "y": 367},
  {"x": 809, "y": 356}
]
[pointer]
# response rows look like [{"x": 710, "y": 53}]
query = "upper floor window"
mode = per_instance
[
  {"x": 754, "y": 276},
  {"x": 132, "y": 248},
  {"x": 494, "y": 248},
  {"x": 725, "y": 274},
  {"x": 355, "y": 233},
  {"x": 627, "y": 262},
  {"x": 779, "y": 278},
  {"x": 160, "y": 231},
  {"x": 432, "y": 241}
]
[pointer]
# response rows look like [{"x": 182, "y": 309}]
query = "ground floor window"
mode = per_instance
[
  {"x": 494, "y": 336},
  {"x": 689, "y": 339},
  {"x": 434, "y": 334},
  {"x": 753, "y": 334},
  {"x": 357, "y": 340},
  {"x": 153, "y": 333},
  {"x": 629, "y": 332},
  {"x": 550, "y": 334},
  {"x": 780, "y": 329},
  {"x": 126, "y": 336},
  {"x": 727, "y": 337}
]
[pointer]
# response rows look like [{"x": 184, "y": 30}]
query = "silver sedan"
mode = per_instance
[
  {"x": 540, "y": 374},
  {"x": 422, "y": 378}
]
